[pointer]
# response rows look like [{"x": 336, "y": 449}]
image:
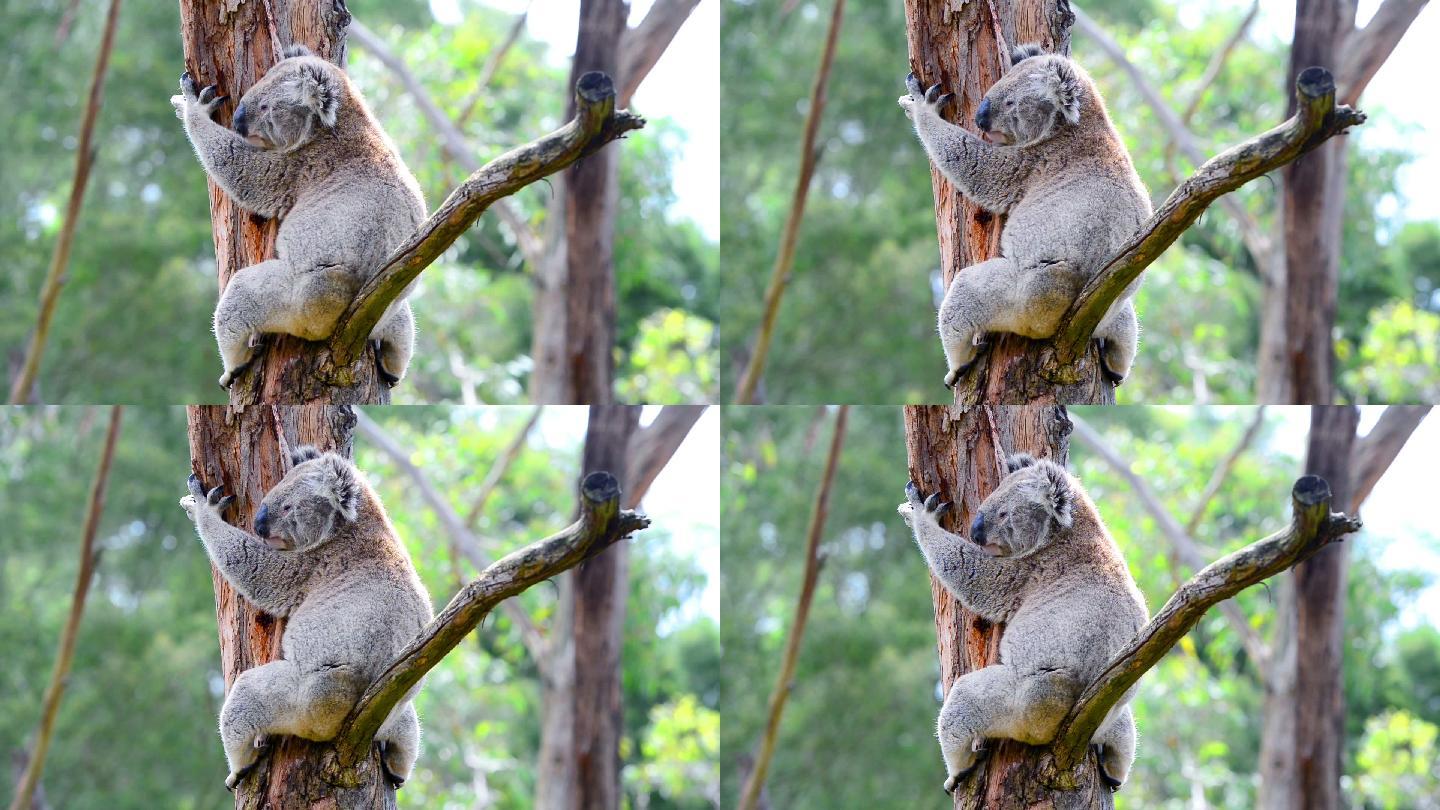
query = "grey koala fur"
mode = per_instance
[
  {"x": 1042, "y": 562},
  {"x": 1060, "y": 172},
  {"x": 331, "y": 564},
  {"x": 307, "y": 150}
]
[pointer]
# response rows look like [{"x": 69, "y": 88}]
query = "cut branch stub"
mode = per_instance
[
  {"x": 595, "y": 124},
  {"x": 601, "y": 524},
  {"x": 1317, "y": 118},
  {"x": 1312, "y": 527}
]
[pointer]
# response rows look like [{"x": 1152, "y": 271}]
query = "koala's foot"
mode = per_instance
[
  {"x": 953, "y": 376},
  {"x": 1111, "y": 376},
  {"x": 1110, "y": 781},
  {"x": 386, "y": 376},
  {"x": 392, "y": 779},
  {"x": 262, "y": 746}
]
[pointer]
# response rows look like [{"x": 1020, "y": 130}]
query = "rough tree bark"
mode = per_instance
[
  {"x": 602, "y": 586},
  {"x": 960, "y": 453},
  {"x": 246, "y": 452}
]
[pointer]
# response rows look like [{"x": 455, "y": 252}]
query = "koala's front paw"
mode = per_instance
[
  {"x": 214, "y": 500},
  {"x": 206, "y": 100},
  {"x": 915, "y": 501},
  {"x": 919, "y": 97}
]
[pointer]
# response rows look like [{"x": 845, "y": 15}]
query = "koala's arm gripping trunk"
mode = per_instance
[
  {"x": 270, "y": 579},
  {"x": 252, "y": 177},
  {"x": 975, "y": 578},
  {"x": 991, "y": 176}
]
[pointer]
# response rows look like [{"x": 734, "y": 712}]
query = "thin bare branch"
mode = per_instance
[
  {"x": 84, "y": 159},
  {"x": 1367, "y": 49},
  {"x": 601, "y": 524},
  {"x": 1182, "y": 542},
  {"x": 596, "y": 123},
  {"x": 785, "y": 258},
  {"x": 652, "y": 447},
  {"x": 452, "y": 140},
  {"x": 499, "y": 468},
  {"x": 1222, "y": 472},
  {"x": 784, "y": 681},
  {"x": 642, "y": 46},
  {"x": 1312, "y": 527},
  {"x": 1317, "y": 119},
  {"x": 492, "y": 65},
  {"x": 1374, "y": 453},
  {"x": 50, "y": 705},
  {"x": 1217, "y": 63},
  {"x": 460, "y": 536}
]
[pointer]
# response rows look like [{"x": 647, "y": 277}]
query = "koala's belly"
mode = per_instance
[{"x": 350, "y": 628}]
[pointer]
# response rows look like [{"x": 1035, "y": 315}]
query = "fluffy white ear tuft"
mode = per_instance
[
  {"x": 343, "y": 486},
  {"x": 1066, "y": 86},
  {"x": 1060, "y": 498},
  {"x": 318, "y": 92}
]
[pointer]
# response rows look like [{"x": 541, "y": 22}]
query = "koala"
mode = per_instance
[
  {"x": 306, "y": 149},
  {"x": 325, "y": 557},
  {"x": 1051, "y": 160},
  {"x": 1040, "y": 560}
]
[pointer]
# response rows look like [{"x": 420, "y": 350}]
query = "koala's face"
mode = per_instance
[
  {"x": 291, "y": 103},
  {"x": 1037, "y": 97},
  {"x": 320, "y": 494},
  {"x": 1023, "y": 514}
]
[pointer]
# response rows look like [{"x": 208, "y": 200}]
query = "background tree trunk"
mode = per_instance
[
  {"x": 960, "y": 453},
  {"x": 574, "y": 345},
  {"x": 966, "y": 47},
  {"x": 233, "y": 47},
  {"x": 247, "y": 452}
]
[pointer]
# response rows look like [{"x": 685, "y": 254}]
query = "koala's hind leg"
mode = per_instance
[
  {"x": 1117, "y": 742},
  {"x": 978, "y": 297},
  {"x": 274, "y": 297},
  {"x": 1120, "y": 339},
  {"x": 395, "y": 342},
  {"x": 400, "y": 743},
  {"x": 260, "y": 704},
  {"x": 973, "y": 706}
]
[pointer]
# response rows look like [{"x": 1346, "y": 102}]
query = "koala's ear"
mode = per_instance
[
  {"x": 318, "y": 92},
  {"x": 1023, "y": 52},
  {"x": 1018, "y": 461},
  {"x": 302, "y": 454},
  {"x": 297, "y": 50},
  {"x": 343, "y": 486},
  {"x": 1067, "y": 89},
  {"x": 1060, "y": 498}
]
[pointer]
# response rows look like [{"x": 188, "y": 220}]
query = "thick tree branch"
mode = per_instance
[
  {"x": 60, "y": 259},
  {"x": 452, "y": 140},
  {"x": 1317, "y": 119},
  {"x": 642, "y": 46},
  {"x": 1257, "y": 243},
  {"x": 1182, "y": 542},
  {"x": 601, "y": 524},
  {"x": 652, "y": 447},
  {"x": 1374, "y": 453},
  {"x": 596, "y": 123},
  {"x": 1367, "y": 48},
  {"x": 1312, "y": 527},
  {"x": 461, "y": 537}
]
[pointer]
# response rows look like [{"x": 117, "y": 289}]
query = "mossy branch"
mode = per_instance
[
  {"x": 602, "y": 523},
  {"x": 1312, "y": 527},
  {"x": 596, "y": 123}
]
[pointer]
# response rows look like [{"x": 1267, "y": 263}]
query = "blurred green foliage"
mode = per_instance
[
  {"x": 136, "y": 728},
  {"x": 133, "y": 323},
  {"x": 867, "y": 257},
  {"x": 858, "y": 731}
]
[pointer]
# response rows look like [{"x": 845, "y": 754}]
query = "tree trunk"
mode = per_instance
[
  {"x": 601, "y": 587},
  {"x": 232, "y": 46},
  {"x": 574, "y": 344},
  {"x": 965, "y": 48},
  {"x": 1312, "y": 203},
  {"x": 247, "y": 452},
  {"x": 960, "y": 453}
]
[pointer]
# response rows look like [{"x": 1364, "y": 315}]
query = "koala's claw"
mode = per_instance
[
  {"x": 386, "y": 377},
  {"x": 1111, "y": 376},
  {"x": 187, "y": 84},
  {"x": 913, "y": 85},
  {"x": 219, "y": 500},
  {"x": 1109, "y": 781}
]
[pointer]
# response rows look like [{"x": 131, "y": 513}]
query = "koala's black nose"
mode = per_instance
[
  {"x": 977, "y": 529},
  {"x": 982, "y": 115},
  {"x": 262, "y": 522},
  {"x": 239, "y": 120}
]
